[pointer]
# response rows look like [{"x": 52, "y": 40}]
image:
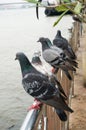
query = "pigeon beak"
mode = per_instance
[
  {"x": 38, "y": 41},
  {"x": 16, "y": 58}
]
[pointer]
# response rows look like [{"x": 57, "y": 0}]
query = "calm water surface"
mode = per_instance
[{"x": 19, "y": 32}]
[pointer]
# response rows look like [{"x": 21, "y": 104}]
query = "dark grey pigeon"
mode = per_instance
[
  {"x": 38, "y": 86},
  {"x": 62, "y": 43},
  {"x": 56, "y": 57}
]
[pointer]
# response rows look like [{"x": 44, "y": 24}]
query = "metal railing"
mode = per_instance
[{"x": 30, "y": 119}]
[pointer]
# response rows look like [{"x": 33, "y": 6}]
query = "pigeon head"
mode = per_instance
[
  {"x": 58, "y": 33},
  {"x": 36, "y": 60},
  {"x": 42, "y": 40},
  {"x": 19, "y": 55},
  {"x": 37, "y": 53},
  {"x": 46, "y": 43},
  {"x": 24, "y": 62},
  {"x": 22, "y": 57}
]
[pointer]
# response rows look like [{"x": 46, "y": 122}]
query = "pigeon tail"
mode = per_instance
[
  {"x": 62, "y": 115},
  {"x": 73, "y": 62},
  {"x": 68, "y": 75},
  {"x": 72, "y": 53}
]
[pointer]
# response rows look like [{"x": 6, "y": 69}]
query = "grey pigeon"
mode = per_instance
[
  {"x": 62, "y": 43},
  {"x": 62, "y": 51},
  {"x": 56, "y": 57},
  {"x": 38, "y": 86},
  {"x": 36, "y": 58},
  {"x": 39, "y": 64}
]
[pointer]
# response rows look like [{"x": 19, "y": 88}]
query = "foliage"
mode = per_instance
[
  {"x": 60, "y": 17},
  {"x": 74, "y": 7}
]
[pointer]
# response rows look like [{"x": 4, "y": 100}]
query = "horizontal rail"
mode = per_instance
[{"x": 30, "y": 119}]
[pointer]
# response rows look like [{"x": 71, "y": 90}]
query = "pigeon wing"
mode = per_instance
[
  {"x": 60, "y": 43},
  {"x": 49, "y": 55},
  {"x": 72, "y": 53},
  {"x": 38, "y": 86}
]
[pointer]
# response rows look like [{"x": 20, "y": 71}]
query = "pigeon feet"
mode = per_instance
[
  {"x": 54, "y": 70},
  {"x": 36, "y": 105}
]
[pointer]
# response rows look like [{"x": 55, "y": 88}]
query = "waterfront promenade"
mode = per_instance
[{"x": 78, "y": 103}]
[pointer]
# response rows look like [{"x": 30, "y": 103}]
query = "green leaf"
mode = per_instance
[
  {"x": 67, "y": 1},
  {"x": 78, "y": 8},
  {"x": 60, "y": 17},
  {"x": 61, "y": 8}
]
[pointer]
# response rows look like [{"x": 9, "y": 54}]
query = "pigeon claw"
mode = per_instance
[
  {"x": 54, "y": 70},
  {"x": 36, "y": 105}
]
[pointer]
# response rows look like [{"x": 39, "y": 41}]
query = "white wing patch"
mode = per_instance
[{"x": 29, "y": 87}]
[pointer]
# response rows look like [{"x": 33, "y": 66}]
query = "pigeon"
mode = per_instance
[
  {"x": 62, "y": 43},
  {"x": 36, "y": 58},
  {"x": 56, "y": 57},
  {"x": 71, "y": 61},
  {"x": 38, "y": 86},
  {"x": 38, "y": 64}
]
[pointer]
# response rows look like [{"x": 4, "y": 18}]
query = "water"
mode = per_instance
[{"x": 19, "y": 32}]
